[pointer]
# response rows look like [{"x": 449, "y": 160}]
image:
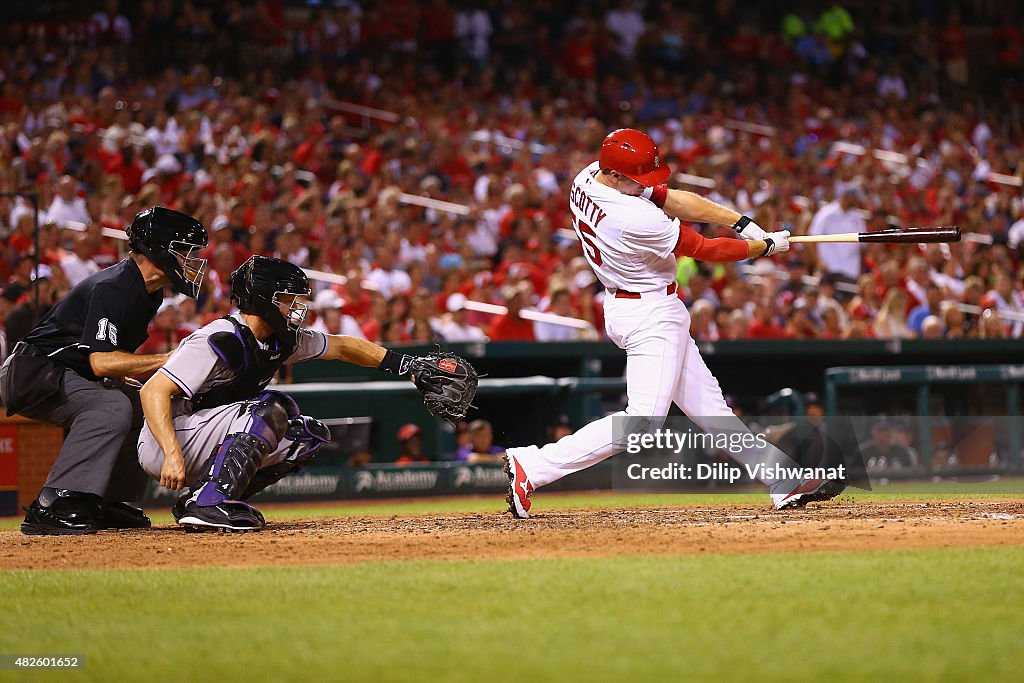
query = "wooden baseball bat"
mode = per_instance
[{"x": 891, "y": 235}]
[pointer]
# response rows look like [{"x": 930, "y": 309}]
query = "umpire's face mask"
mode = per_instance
[{"x": 191, "y": 268}]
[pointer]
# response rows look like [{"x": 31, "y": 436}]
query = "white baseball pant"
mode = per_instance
[{"x": 663, "y": 366}]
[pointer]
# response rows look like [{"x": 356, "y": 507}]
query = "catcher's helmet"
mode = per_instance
[
  {"x": 172, "y": 240},
  {"x": 258, "y": 285},
  {"x": 633, "y": 154}
]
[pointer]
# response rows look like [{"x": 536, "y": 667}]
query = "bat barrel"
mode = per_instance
[{"x": 913, "y": 235}]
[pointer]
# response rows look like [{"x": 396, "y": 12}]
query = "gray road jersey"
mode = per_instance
[{"x": 196, "y": 368}]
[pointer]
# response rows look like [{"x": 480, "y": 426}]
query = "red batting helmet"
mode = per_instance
[{"x": 634, "y": 154}]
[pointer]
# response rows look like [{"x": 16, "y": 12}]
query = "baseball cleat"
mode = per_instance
[
  {"x": 810, "y": 491},
  {"x": 519, "y": 489},
  {"x": 231, "y": 515}
]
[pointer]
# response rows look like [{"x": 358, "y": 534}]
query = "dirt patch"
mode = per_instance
[{"x": 575, "y": 533}]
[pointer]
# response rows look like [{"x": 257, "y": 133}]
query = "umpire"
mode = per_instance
[{"x": 71, "y": 371}]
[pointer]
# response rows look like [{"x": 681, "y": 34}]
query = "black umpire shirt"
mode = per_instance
[{"x": 107, "y": 311}]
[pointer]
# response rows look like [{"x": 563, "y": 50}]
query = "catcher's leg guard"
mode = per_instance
[
  {"x": 230, "y": 469},
  {"x": 307, "y": 435}
]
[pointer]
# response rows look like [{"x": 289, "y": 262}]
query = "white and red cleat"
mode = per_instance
[
  {"x": 519, "y": 488},
  {"x": 808, "y": 491}
]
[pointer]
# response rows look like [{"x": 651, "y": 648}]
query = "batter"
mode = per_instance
[{"x": 628, "y": 222}]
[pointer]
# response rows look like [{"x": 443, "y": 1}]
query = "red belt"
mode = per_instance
[{"x": 623, "y": 294}]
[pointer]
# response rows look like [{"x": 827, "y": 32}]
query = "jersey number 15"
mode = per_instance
[{"x": 585, "y": 232}]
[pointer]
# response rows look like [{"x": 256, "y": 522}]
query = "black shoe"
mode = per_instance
[
  {"x": 70, "y": 513},
  {"x": 123, "y": 516},
  {"x": 230, "y": 515},
  {"x": 179, "y": 505}
]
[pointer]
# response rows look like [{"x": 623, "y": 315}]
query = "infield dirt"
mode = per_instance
[{"x": 839, "y": 526}]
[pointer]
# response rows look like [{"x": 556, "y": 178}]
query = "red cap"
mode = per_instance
[
  {"x": 407, "y": 431},
  {"x": 634, "y": 154}
]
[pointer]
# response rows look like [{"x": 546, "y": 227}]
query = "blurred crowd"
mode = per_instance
[
  {"x": 241, "y": 114},
  {"x": 474, "y": 445}
]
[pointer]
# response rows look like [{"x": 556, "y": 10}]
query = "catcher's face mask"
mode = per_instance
[{"x": 293, "y": 307}]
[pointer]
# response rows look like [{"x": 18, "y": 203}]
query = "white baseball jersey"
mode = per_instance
[
  {"x": 196, "y": 368},
  {"x": 627, "y": 240}
]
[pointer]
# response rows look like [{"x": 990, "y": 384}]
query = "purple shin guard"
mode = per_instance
[
  {"x": 232, "y": 467},
  {"x": 307, "y": 435}
]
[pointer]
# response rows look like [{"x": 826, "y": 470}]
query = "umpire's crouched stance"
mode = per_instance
[{"x": 70, "y": 372}]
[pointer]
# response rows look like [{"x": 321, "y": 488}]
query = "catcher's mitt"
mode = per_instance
[{"x": 447, "y": 382}]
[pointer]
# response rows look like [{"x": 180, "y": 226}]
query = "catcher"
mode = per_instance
[{"x": 214, "y": 429}]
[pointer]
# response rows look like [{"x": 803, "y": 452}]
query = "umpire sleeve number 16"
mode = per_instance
[{"x": 105, "y": 330}]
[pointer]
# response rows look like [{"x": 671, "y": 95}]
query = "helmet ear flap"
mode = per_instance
[
  {"x": 138, "y": 231},
  {"x": 241, "y": 286},
  {"x": 233, "y": 285}
]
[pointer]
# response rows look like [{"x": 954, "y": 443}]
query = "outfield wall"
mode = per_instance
[{"x": 326, "y": 482}]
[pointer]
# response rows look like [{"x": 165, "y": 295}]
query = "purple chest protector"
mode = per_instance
[{"x": 252, "y": 366}]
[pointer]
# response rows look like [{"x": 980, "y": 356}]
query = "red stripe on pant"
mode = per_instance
[{"x": 623, "y": 294}]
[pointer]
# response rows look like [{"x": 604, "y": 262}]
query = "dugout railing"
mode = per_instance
[{"x": 967, "y": 414}]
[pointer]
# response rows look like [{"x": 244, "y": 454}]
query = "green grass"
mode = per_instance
[{"x": 905, "y": 615}]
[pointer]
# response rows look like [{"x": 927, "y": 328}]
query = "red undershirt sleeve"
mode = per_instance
[
  {"x": 717, "y": 250},
  {"x": 659, "y": 193}
]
